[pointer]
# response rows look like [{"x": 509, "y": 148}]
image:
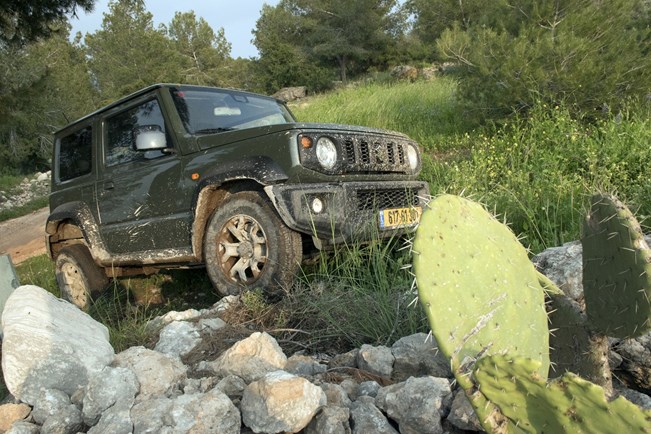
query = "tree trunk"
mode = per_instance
[{"x": 342, "y": 67}]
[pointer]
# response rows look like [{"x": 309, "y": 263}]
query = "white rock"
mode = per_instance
[
  {"x": 43, "y": 177},
  {"x": 416, "y": 403},
  {"x": 56, "y": 413},
  {"x": 158, "y": 374},
  {"x": 211, "y": 324},
  {"x": 169, "y": 317},
  {"x": 106, "y": 389},
  {"x": 49, "y": 344},
  {"x": 211, "y": 412},
  {"x": 280, "y": 402},
  {"x": 250, "y": 359},
  {"x": 178, "y": 338}
]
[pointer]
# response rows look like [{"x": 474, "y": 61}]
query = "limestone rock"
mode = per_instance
[
  {"x": 280, "y": 402},
  {"x": 49, "y": 343},
  {"x": 367, "y": 418},
  {"x": 170, "y": 317},
  {"x": 251, "y": 358},
  {"x": 376, "y": 360},
  {"x": 564, "y": 266},
  {"x": 346, "y": 360},
  {"x": 158, "y": 374},
  {"x": 115, "y": 420},
  {"x": 304, "y": 366},
  {"x": 210, "y": 412},
  {"x": 233, "y": 386},
  {"x": 416, "y": 403},
  {"x": 109, "y": 387},
  {"x": 336, "y": 395},
  {"x": 418, "y": 355},
  {"x": 178, "y": 338},
  {"x": 462, "y": 415},
  {"x": 636, "y": 361},
  {"x": 291, "y": 93},
  {"x": 56, "y": 413},
  {"x": 367, "y": 388},
  {"x": 22, "y": 427},
  {"x": 330, "y": 420}
]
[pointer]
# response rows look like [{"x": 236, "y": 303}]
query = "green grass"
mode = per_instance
[
  {"x": 9, "y": 182},
  {"x": 428, "y": 112},
  {"x": 20, "y": 211}
]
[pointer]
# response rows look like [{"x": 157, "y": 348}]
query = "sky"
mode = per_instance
[{"x": 236, "y": 17}]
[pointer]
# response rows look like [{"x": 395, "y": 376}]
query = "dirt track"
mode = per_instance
[{"x": 23, "y": 237}]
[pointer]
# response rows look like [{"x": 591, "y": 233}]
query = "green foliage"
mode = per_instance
[
  {"x": 539, "y": 171},
  {"x": 283, "y": 59},
  {"x": 43, "y": 86},
  {"x": 128, "y": 53},
  {"x": 479, "y": 289},
  {"x": 585, "y": 53},
  {"x": 616, "y": 270},
  {"x": 523, "y": 402},
  {"x": 301, "y": 42},
  {"x": 202, "y": 52},
  {"x": 22, "y": 21}
]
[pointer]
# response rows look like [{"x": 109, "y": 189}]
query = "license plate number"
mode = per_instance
[{"x": 399, "y": 217}]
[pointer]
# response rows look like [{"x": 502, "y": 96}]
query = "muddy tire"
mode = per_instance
[
  {"x": 248, "y": 246},
  {"x": 79, "y": 278}
]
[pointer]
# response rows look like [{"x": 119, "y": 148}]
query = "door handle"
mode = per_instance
[{"x": 109, "y": 185}]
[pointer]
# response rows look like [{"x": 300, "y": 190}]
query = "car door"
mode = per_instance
[{"x": 139, "y": 195}]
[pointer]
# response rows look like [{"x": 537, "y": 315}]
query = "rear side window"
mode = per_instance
[{"x": 75, "y": 154}]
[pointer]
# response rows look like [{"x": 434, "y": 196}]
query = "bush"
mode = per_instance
[{"x": 587, "y": 54}]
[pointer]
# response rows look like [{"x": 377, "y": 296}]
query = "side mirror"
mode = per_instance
[{"x": 149, "y": 138}]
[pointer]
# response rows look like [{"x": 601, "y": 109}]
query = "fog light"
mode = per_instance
[{"x": 317, "y": 205}]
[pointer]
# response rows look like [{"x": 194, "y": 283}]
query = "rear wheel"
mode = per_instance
[
  {"x": 80, "y": 279},
  {"x": 248, "y": 246}
]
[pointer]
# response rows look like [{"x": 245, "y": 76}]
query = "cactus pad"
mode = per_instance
[
  {"x": 569, "y": 404},
  {"x": 616, "y": 270},
  {"x": 478, "y": 287}
]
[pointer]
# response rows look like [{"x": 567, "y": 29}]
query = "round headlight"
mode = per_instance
[
  {"x": 326, "y": 153},
  {"x": 412, "y": 157}
]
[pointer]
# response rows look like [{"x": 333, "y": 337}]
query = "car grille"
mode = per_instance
[
  {"x": 370, "y": 154},
  {"x": 389, "y": 198}
]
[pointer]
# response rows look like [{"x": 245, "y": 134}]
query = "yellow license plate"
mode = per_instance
[{"x": 399, "y": 217}]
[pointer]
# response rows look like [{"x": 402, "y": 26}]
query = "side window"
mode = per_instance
[
  {"x": 75, "y": 154},
  {"x": 121, "y": 133}
]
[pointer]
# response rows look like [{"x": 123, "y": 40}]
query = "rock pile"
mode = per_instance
[
  {"x": 29, "y": 189},
  {"x": 65, "y": 378}
]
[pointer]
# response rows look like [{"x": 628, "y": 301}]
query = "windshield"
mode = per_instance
[{"x": 207, "y": 111}]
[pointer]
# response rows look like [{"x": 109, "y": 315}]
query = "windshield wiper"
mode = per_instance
[{"x": 213, "y": 130}]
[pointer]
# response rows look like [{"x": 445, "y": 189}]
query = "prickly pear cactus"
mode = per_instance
[
  {"x": 616, "y": 270},
  {"x": 478, "y": 287},
  {"x": 523, "y": 402}
]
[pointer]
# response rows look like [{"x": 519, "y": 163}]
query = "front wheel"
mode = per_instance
[
  {"x": 79, "y": 278},
  {"x": 247, "y": 246}
]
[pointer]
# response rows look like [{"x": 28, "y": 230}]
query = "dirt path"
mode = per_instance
[{"x": 24, "y": 237}]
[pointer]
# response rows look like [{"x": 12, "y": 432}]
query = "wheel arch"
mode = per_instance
[
  {"x": 251, "y": 173},
  {"x": 73, "y": 223}
]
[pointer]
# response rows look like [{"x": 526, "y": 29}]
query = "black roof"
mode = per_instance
[{"x": 149, "y": 89}]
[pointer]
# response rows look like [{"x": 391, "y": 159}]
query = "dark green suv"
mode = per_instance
[{"x": 178, "y": 176}]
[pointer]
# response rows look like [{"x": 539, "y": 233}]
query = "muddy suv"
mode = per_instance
[{"x": 177, "y": 176}]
